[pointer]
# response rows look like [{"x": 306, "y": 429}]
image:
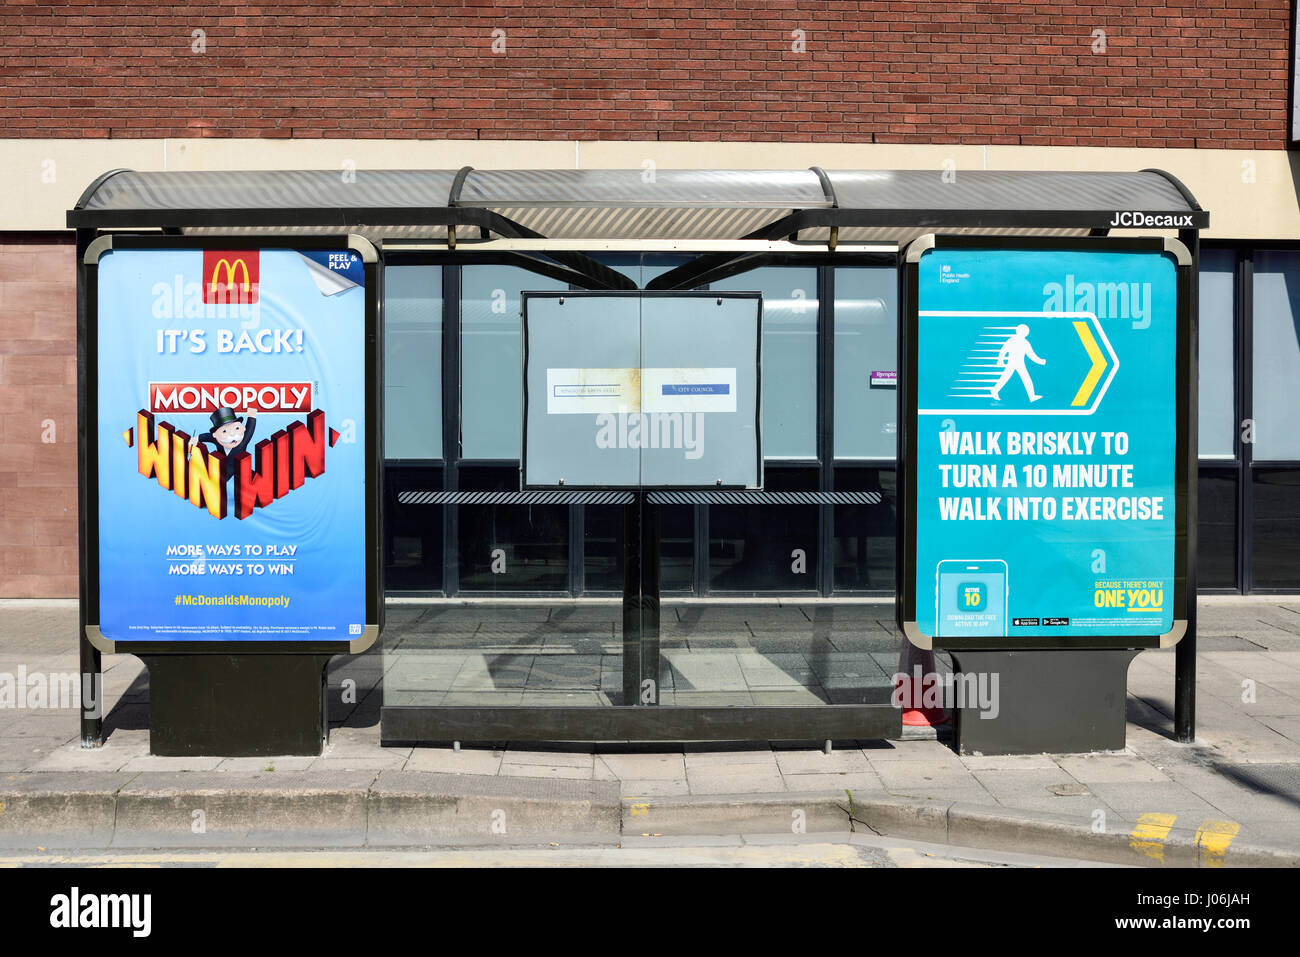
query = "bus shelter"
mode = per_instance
[{"x": 639, "y": 322}]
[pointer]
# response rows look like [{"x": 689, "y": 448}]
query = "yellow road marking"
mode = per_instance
[
  {"x": 1149, "y": 834},
  {"x": 1098, "y": 364},
  {"x": 1214, "y": 837}
]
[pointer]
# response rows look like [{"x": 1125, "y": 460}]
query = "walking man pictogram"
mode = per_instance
[{"x": 1012, "y": 355}]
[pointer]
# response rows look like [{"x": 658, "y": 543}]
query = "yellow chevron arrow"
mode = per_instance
[{"x": 1098, "y": 364}]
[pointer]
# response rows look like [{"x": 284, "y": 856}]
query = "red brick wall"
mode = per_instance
[
  {"x": 38, "y": 402},
  {"x": 1176, "y": 73}
]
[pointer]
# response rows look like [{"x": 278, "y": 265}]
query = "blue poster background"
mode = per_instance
[
  {"x": 1095, "y": 334},
  {"x": 322, "y": 522}
]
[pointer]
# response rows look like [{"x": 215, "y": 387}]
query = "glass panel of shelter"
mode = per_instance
[{"x": 563, "y": 653}]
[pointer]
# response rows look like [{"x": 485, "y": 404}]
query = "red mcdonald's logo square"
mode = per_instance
[{"x": 230, "y": 276}]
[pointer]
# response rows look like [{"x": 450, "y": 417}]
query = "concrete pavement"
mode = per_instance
[{"x": 1232, "y": 797}]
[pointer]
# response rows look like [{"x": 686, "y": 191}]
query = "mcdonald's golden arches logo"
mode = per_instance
[{"x": 230, "y": 276}]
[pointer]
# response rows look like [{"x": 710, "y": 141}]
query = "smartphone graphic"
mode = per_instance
[{"x": 971, "y": 598}]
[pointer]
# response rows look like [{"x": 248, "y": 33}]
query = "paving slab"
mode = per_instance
[
  {"x": 449, "y": 761},
  {"x": 643, "y": 767},
  {"x": 46, "y": 725},
  {"x": 1109, "y": 768},
  {"x": 556, "y": 757},
  {"x": 634, "y": 789},
  {"x": 929, "y": 753},
  {"x": 1133, "y": 800},
  {"x": 899, "y": 774},
  {"x": 285, "y": 762},
  {"x": 1237, "y": 795},
  {"x": 152, "y": 762},
  {"x": 722, "y": 761},
  {"x": 551, "y": 771},
  {"x": 1007, "y": 762},
  {"x": 818, "y": 762},
  {"x": 833, "y": 781},
  {"x": 73, "y": 757},
  {"x": 1036, "y": 788},
  {"x": 743, "y": 779}
]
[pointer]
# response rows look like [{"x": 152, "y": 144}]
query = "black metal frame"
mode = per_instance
[
  {"x": 826, "y": 418},
  {"x": 451, "y": 339},
  {"x": 618, "y": 723},
  {"x": 1190, "y": 358},
  {"x": 346, "y": 218},
  {"x": 1245, "y": 326},
  {"x": 1185, "y": 464},
  {"x": 88, "y": 416},
  {"x": 90, "y": 657}
]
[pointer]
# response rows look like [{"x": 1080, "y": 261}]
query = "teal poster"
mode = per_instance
[{"x": 1046, "y": 443}]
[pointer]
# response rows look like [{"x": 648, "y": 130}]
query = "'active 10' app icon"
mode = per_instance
[{"x": 971, "y": 598}]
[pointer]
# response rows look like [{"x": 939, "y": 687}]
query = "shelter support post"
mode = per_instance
[
  {"x": 92, "y": 679},
  {"x": 1185, "y": 650},
  {"x": 641, "y": 532},
  {"x": 92, "y": 690}
]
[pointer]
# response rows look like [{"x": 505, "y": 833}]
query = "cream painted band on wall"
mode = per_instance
[{"x": 1251, "y": 194}]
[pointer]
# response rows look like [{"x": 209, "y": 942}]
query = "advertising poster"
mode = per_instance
[
  {"x": 1046, "y": 443},
  {"x": 231, "y": 440}
]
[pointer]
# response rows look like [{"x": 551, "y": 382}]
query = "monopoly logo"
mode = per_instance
[
  {"x": 208, "y": 397},
  {"x": 230, "y": 275}
]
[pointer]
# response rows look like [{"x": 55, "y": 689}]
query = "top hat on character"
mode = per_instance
[
  {"x": 224, "y": 416},
  {"x": 230, "y": 433}
]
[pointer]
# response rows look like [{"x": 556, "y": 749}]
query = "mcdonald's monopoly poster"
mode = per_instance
[
  {"x": 231, "y": 466},
  {"x": 1046, "y": 433}
]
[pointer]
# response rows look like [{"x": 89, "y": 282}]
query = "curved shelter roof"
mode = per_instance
[{"x": 636, "y": 204}]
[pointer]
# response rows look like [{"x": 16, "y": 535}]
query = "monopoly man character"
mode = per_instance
[{"x": 230, "y": 435}]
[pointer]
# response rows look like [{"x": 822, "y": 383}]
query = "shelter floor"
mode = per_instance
[{"x": 452, "y": 653}]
